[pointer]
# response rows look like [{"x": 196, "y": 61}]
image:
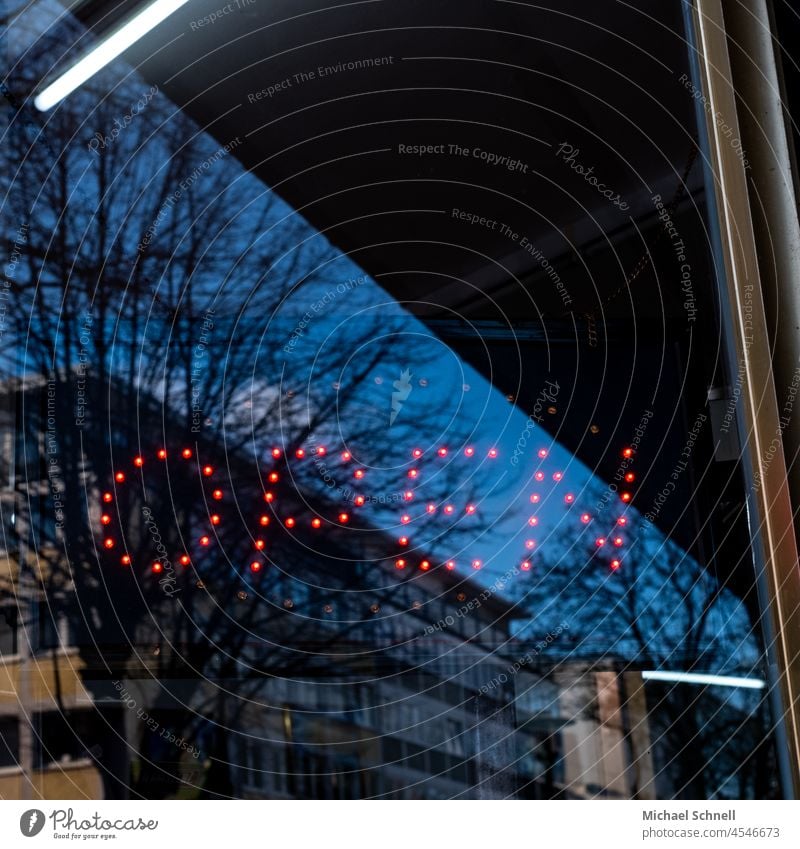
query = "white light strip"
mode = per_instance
[
  {"x": 698, "y": 678},
  {"x": 106, "y": 51}
]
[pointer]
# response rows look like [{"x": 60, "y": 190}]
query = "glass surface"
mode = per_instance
[{"x": 369, "y": 433}]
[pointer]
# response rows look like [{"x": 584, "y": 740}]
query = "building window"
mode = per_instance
[{"x": 9, "y": 741}]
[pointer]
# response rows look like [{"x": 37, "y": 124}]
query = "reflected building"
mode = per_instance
[{"x": 407, "y": 718}]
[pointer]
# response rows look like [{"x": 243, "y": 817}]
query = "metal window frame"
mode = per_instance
[{"x": 740, "y": 280}]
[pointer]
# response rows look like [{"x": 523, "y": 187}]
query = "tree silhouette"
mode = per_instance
[{"x": 165, "y": 301}]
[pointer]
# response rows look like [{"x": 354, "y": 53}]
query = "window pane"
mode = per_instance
[{"x": 376, "y": 436}]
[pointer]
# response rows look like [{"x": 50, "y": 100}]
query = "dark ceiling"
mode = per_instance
[{"x": 512, "y": 79}]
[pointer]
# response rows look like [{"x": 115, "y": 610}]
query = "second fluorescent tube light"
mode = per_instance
[
  {"x": 106, "y": 51},
  {"x": 702, "y": 678}
]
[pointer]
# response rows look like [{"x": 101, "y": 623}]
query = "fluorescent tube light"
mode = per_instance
[
  {"x": 106, "y": 51},
  {"x": 699, "y": 678}
]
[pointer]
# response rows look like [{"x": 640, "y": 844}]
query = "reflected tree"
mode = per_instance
[{"x": 155, "y": 306}]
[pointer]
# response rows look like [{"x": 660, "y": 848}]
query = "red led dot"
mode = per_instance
[
  {"x": 344, "y": 518},
  {"x": 108, "y": 542},
  {"x": 217, "y": 495},
  {"x": 442, "y": 452},
  {"x": 630, "y": 477},
  {"x": 125, "y": 560},
  {"x": 289, "y": 522},
  {"x": 615, "y": 564},
  {"x": 157, "y": 567},
  {"x": 469, "y": 452},
  {"x": 273, "y": 477},
  {"x": 530, "y": 544},
  {"x": 185, "y": 560},
  {"x": 525, "y": 565},
  {"x": 542, "y": 452},
  {"x": 108, "y": 497},
  {"x": 276, "y": 452},
  {"x": 138, "y": 461},
  {"x": 600, "y": 541},
  {"x": 470, "y": 509},
  {"x": 346, "y": 456},
  {"x": 413, "y": 473},
  {"x": 105, "y": 519},
  {"x": 214, "y": 519},
  {"x": 618, "y": 542},
  {"x": 300, "y": 453},
  {"x": 161, "y": 454},
  {"x": 400, "y": 563},
  {"x": 358, "y": 473},
  {"x": 449, "y": 509},
  {"x": 627, "y": 452},
  {"x": 408, "y": 495},
  {"x": 208, "y": 471},
  {"x": 269, "y": 497},
  {"x": 430, "y": 508},
  {"x": 539, "y": 476},
  {"x": 403, "y": 541},
  {"x": 204, "y": 541},
  {"x": 316, "y": 523},
  {"x": 450, "y": 565},
  {"x": 186, "y": 453},
  {"x": 569, "y": 498},
  {"x": 359, "y": 500},
  {"x": 119, "y": 477},
  {"x": 626, "y": 497},
  {"x": 492, "y": 453},
  {"x": 622, "y": 521},
  {"x": 255, "y": 566},
  {"x": 533, "y": 521},
  {"x": 321, "y": 450},
  {"x": 425, "y": 565},
  {"x": 476, "y": 564},
  {"x": 535, "y": 498},
  {"x": 557, "y": 476},
  {"x": 416, "y": 453},
  {"x": 264, "y": 521},
  {"x": 405, "y": 518},
  {"x": 585, "y": 518}
]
